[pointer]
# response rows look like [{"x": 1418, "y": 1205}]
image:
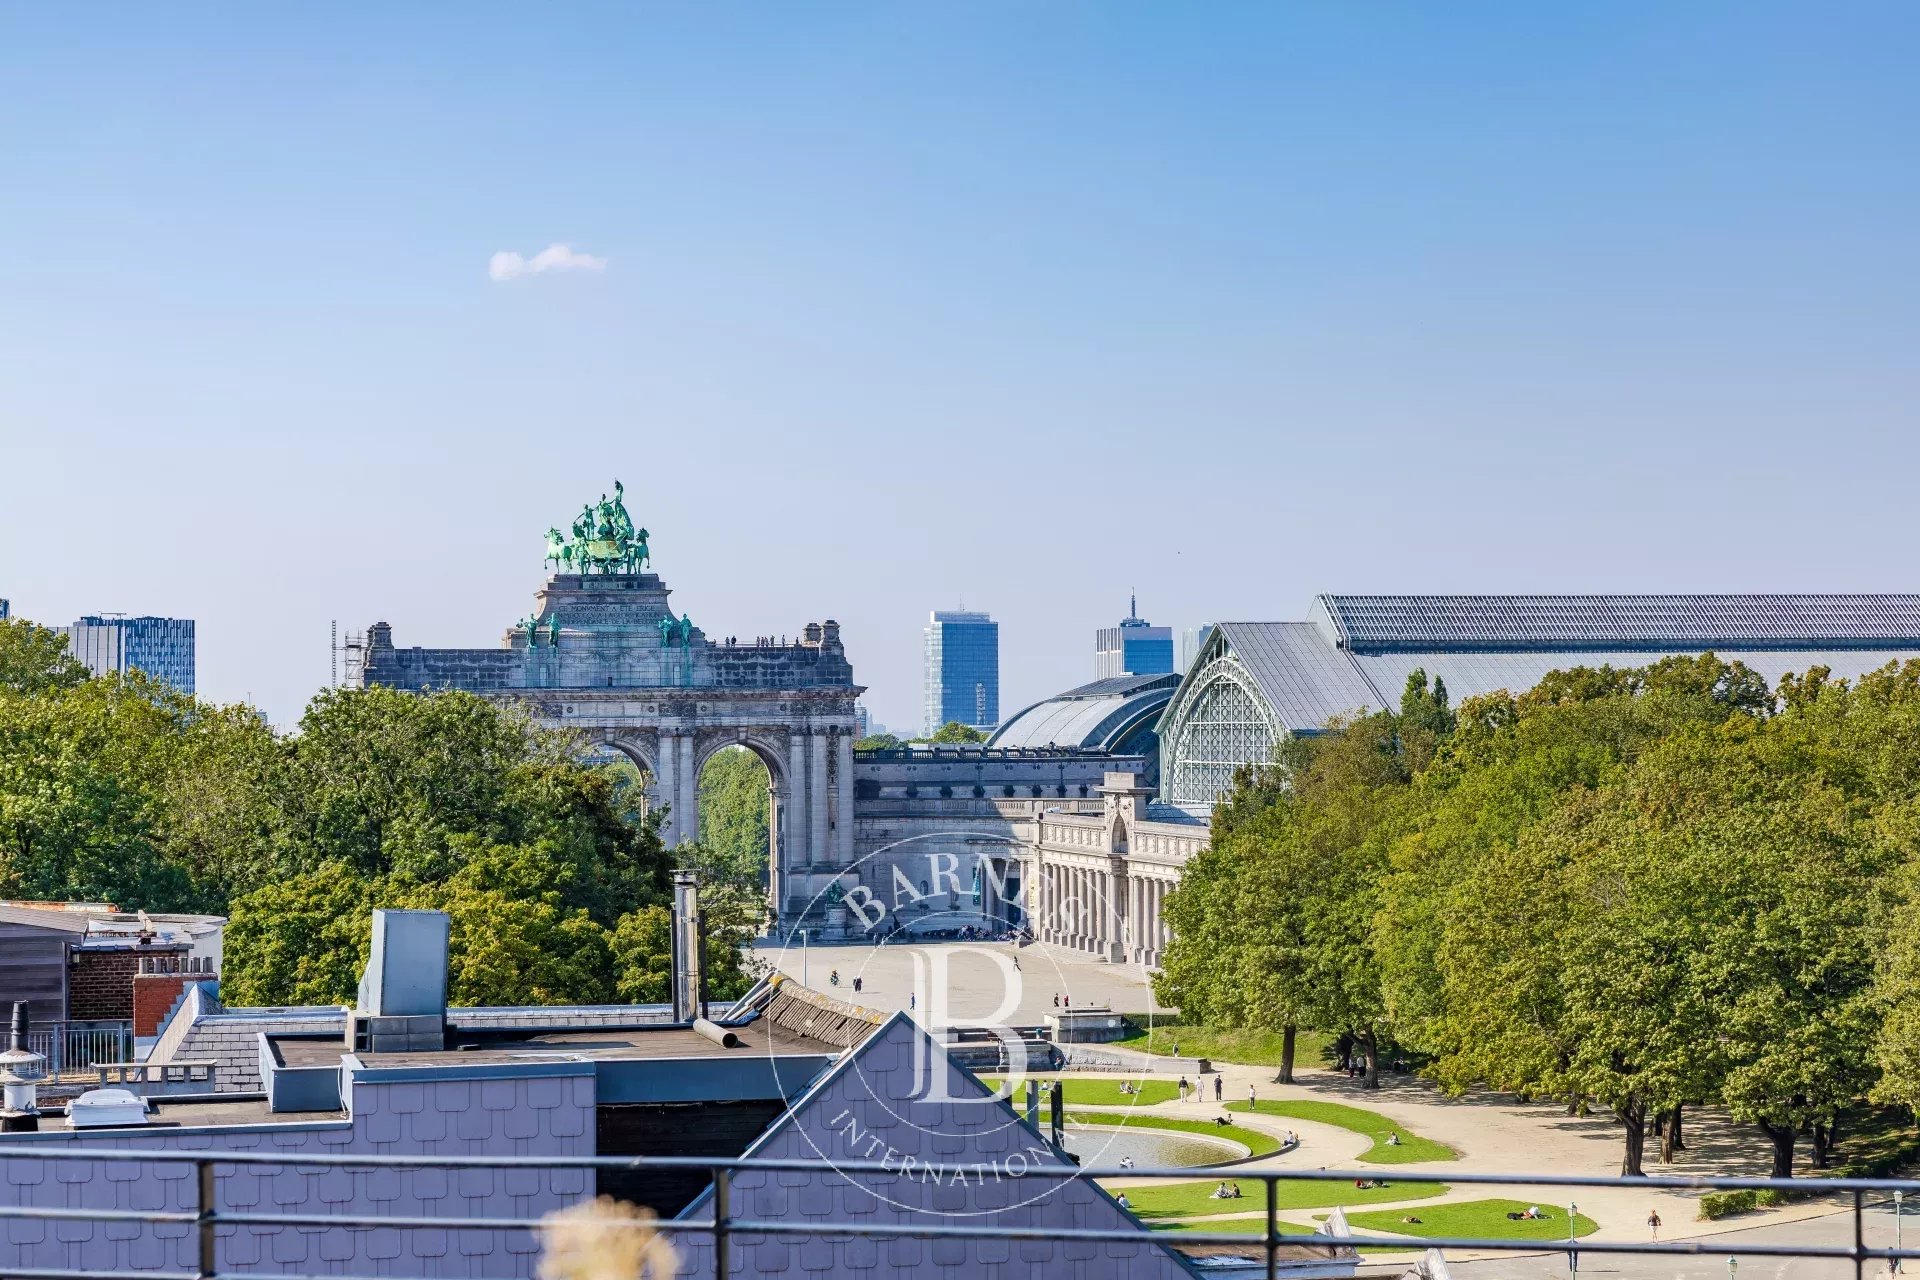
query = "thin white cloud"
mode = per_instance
[{"x": 507, "y": 265}]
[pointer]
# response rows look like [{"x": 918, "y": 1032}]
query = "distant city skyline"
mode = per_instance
[{"x": 871, "y": 309}]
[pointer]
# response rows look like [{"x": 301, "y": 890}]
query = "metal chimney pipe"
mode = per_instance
[
  {"x": 20, "y": 1072},
  {"x": 686, "y": 946}
]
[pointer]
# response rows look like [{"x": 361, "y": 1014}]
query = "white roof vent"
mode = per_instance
[{"x": 100, "y": 1108}]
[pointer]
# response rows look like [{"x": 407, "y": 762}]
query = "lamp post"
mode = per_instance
[
  {"x": 1733, "y": 1265},
  {"x": 1573, "y": 1238},
  {"x": 1898, "y": 1198},
  {"x": 805, "y": 956}
]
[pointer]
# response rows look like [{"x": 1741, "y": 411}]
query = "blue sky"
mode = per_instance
[{"x": 900, "y": 304}]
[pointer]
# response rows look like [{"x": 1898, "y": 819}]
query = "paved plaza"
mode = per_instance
[{"x": 981, "y": 980}]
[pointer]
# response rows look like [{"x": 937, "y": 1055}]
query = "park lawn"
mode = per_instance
[
  {"x": 1474, "y": 1220},
  {"x": 1254, "y": 1048},
  {"x": 1195, "y": 1199},
  {"x": 1412, "y": 1148},
  {"x": 1260, "y": 1144},
  {"x": 1233, "y": 1226},
  {"x": 1102, "y": 1093}
]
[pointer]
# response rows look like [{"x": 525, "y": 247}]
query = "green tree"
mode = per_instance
[
  {"x": 877, "y": 742},
  {"x": 734, "y": 787},
  {"x": 34, "y": 659},
  {"x": 300, "y": 940},
  {"x": 643, "y": 959},
  {"x": 954, "y": 731}
]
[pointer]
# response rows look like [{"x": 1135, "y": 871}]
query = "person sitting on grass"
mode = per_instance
[
  {"x": 1393, "y": 1139},
  {"x": 1223, "y": 1119}
]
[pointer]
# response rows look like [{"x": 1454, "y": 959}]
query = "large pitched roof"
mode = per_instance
[
  {"x": 1356, "y": 652},
  {"x": 879, "y": 1099},
  {"x": 1692, "y": 622}
]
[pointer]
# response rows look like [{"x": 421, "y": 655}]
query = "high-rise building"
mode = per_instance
[
  {"x": 160, "y": 647},
  {"x": 1191, "y": 639},
  {"x": 1134, "y": 648},
  {"x": 963, "y": 670},
  {"x": 6, "y": 608}
]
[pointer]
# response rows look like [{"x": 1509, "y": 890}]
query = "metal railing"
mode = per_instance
[
  {"x": 78, "y": 1046},
  {"x": 725, "y": 1227}
]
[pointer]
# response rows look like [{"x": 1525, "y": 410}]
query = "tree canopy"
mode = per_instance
[
  {"x": 119, "y": 789},
  {"x": 1640, "y": 889}
]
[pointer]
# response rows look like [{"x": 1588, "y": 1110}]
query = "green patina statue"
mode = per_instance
[
  {"x": 553, "y": 631},
  {"x": 667, "y": 629},
  {"x": 605, "y": 539}
]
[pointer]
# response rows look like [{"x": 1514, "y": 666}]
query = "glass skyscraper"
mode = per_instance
[
  {"x": 963, "y": 670},
  {"x": 161, "y": 647},
  {"x": 1134, "y": 648}
]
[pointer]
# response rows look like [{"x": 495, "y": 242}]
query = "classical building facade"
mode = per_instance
[
  {"x": 1098, "y": 881},
  {"x": 603, "y": 655}
]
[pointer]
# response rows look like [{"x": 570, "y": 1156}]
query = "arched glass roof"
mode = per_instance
[{"x": 1093, "y": 717}]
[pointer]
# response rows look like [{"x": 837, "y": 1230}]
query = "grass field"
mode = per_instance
[
  {"x": 1195, "y": 1199},
  {"x": 1474, "y": 1219},
  {"x": 1234, "y": 1226},
  {"x": 1083, "y": 1092},
  {"x": 1412, "y": 1148},
  {"x": 1258, "y": 1143},
  {"x": 1226, "y": 1044}
]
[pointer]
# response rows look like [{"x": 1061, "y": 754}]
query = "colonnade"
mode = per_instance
[{"x": 1107, "y": 908}]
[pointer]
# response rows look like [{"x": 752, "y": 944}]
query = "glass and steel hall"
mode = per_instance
[{"x": 1253, "y": 683}]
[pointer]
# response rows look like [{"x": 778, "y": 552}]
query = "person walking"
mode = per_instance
[
  {"x": 1218, "y": 1088},
  {"x": 1653, "y": 1223},
  {"x": 856, "y": 983},
  {"x": 1183, "y": 1088},
  {"x": 1253, "y": 1103}
]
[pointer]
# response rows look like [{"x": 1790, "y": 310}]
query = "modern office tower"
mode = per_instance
[
  {"x": 1134, "y": 648},
  {"x": 963, "y": 670},
  {"x": 160, "y": 647},
  {"x": 1191, "y": 638},
  {"x": 6, "y": 609}
]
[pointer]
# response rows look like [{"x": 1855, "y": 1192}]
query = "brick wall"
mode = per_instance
[
  {"x": 100, "y": 984},
  {"x": 153, "y": 996}
]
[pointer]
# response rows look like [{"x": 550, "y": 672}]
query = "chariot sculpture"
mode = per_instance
[{"x": 604, "y": 539}]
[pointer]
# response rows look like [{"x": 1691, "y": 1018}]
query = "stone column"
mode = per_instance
[
  {"x": 667, "y": 782},
  {"x": 690, "y": 789},
  {"x": 843, "y": 800},
  {"x": 799, "y": 822},
  {"x": 818, "y": 848}
]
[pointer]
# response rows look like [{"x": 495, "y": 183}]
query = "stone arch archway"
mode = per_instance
[
  {"x": 1117, "y": 836},
  {"x": 773, "y": 758}
]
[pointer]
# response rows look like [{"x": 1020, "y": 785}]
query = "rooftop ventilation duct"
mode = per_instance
[
  {"x": 687, "y": 948},
  {"x": 403, "y": 993}
]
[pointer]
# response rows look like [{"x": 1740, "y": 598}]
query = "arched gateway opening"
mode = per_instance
[{"x": 739, "y": 819}]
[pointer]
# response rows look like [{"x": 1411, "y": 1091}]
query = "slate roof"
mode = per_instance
[{"x": 874, "y": 1100}]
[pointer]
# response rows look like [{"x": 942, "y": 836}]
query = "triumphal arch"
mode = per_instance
[{"x": 604, "y": 655}]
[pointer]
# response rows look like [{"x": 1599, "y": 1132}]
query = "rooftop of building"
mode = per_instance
[
  {"x": 1354, "y": 653},
  {"x": 1097, "y": 716}
]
